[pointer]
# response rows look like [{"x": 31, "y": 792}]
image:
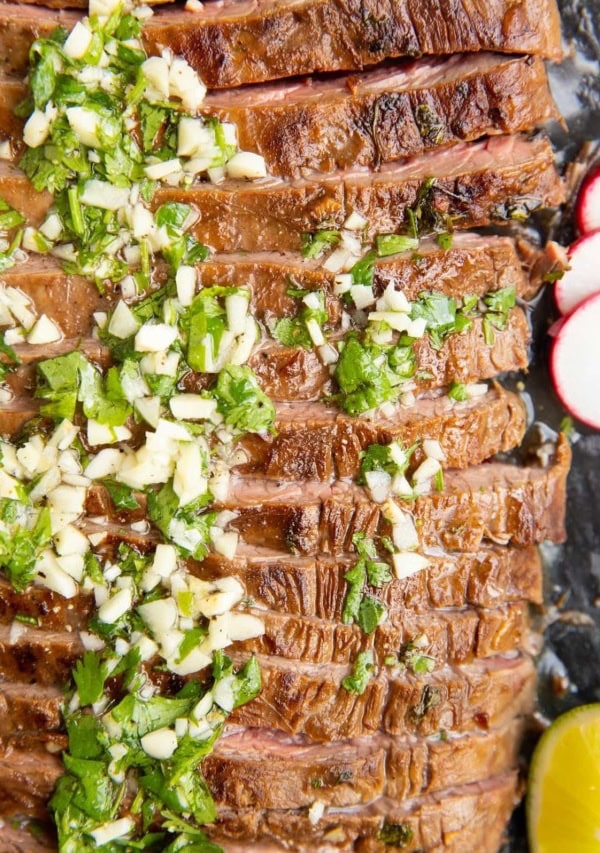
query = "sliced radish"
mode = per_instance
[
  {"x": 582, "y": 280},
  {"x": 587, "y": 210},
  {"x": 575, "y": 362}
]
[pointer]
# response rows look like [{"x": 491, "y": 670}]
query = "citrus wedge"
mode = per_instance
[{"x": 563, "y": 800}]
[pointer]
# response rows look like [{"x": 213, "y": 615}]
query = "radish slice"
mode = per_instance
[
  {"x": 582, "y": 280},
  {"x": 587, "y": 210},
  {"x": 575, "y": 363}
]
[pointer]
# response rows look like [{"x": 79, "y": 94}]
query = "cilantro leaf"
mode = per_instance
[
  {"x": 362, "y": 673},
  {"x": 89, "y": 676}
]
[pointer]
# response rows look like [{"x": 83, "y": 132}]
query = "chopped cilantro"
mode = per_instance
[
  {"x": 394, "y": 244},
  {"x": 313, "y": 245},
  {"x": 395, "y": 834},
  {"x": 242, "y": 403},
  {"x": 362, "y": 672},
  {"x": 458, "y": 392}
]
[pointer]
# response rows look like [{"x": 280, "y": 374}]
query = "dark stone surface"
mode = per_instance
[{"x": 569, "y": 665}]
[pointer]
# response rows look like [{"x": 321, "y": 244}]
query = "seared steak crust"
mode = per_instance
[
  {"x": 315, "y": 587},
  {"x": 299, "y": 698},
  {"x": 256, "y": 769},
  {"x": 317, "y": 443},
  {"x": 468, "y": 818},
  {"x": 475, "y": 184},
  {"x": 452, "y": 636},
  {"x": 326, "y": 445},
  {"x": 386, "y": 114},
  {"x": 501, "y": 503},
  {"x": 232, "y": 43},
  {"x": 382, "y": 115}
]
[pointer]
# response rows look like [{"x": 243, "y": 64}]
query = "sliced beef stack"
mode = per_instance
[{"x": 423, "y": 760}]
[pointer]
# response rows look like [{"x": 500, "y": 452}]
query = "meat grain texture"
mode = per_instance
[{"x": 431, "y": 753}]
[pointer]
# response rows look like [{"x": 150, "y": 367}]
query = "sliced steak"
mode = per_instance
[
  {"x": 470, "y": 817},
  {"x": 316, "y": 588},
  {"x": 339, "y": 122},
  {"x": 71, "y": 300},
  {"x": 232, "y": 43},
  {"x": 498, "y": 502},
  {"x": 256, "y": 768},
  {"x": 475, "y": 184},
  {"x": 298, "y": 698},
  {"x": 473, "y": 265},
  {"x": 316, "y": 442},
  {"x": 293, "y": 374},
  {"x": 451, "y": 636}
]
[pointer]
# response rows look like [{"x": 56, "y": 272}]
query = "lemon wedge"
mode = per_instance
[{"x": 563, "y": 800}]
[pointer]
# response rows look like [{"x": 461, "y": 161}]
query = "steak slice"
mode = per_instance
[
  {"x": 473, "y": 265},
  {"x": 233, "y": 43},
  {"x": 315, "y": 587},
  {"x": 324, "y": 124},
  {"x": 475, "y": 184},
  {"x": 256, "y": 768},
  {"x": 450, "y": 636},
  {"x": 298, "y": 698},
  {"x": 316, "y": 442},
  {"x": 294, "y": 374},
  {"x": 470, "y": 817},
  {"x": 498, "y": 502},
  {"x": 382, "y": 115}
]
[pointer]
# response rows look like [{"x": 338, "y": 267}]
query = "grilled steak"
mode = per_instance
[
  {"x": 470, "y": 817},
  {"x": 497, "y": 502},
  {"x": 234, "y": 43},
  {"x": 259, "y": 768},
  {"x": 501, "y": 503},
  {"x": 454, "y": 637},
  {"x": 299, "y": 698},
  {"x": 316, "y": 442},
  {"x": 386, "y": 114},
  {"x": 475, "y": 184},
  {"x": 471, "y": 266},
  {"x": 289, "y": 374},
  {"x": 337, "y": 123},
  {"x": 315, "y": 587}
]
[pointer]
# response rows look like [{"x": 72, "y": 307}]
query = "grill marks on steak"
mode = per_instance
[
  {"x": 314, "y": 442},
  {"x": 298, "y": 698},
  {"x": 475, "y": 184},
  {"x": 453, "y": 636},
  {"x": 294, "y": 374},
  {"x": 386, "y": 114},
  {"x": 469, "y": 817},
  {"x": 254, "y": 768},
  {"x": 324, "y": 124},
  {"x": 472, "y": 266},
  {"x": 315, "y": 587},
  {"x": 233, "y": 43},
  {"x": 497, "y": 502}
]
